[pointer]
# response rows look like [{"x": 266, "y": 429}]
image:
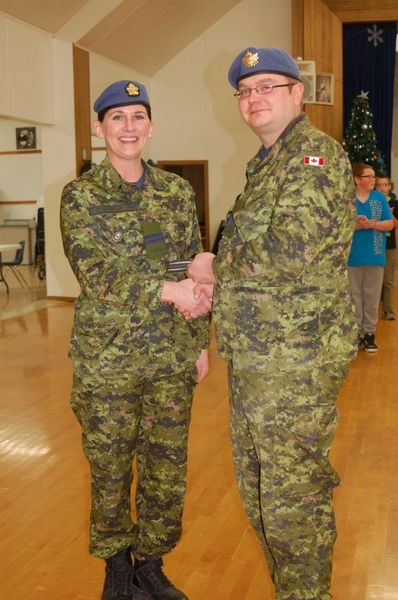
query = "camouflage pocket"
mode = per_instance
[
  {"x": 90, "y": 344},
  {"x": 93, "y": 331},
  {"x": 303, "y": 437},
  {"x": 276, "y": 329}
]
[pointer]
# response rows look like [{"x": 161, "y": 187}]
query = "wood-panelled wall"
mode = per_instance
[
  {"x": 81, "y": 76},
  {"x": 357, "y": 11},
  {"x": 317, "y": 35}
]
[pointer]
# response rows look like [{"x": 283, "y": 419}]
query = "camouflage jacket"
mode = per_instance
[
  {"x": 283, "y": 296},
  {"x": 119, "y": 240}
]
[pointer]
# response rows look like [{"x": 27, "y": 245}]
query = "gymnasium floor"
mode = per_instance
[{"x": 44, "y": 481}]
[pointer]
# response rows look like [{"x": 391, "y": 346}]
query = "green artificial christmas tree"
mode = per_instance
[{"x": 360, "y": 139}]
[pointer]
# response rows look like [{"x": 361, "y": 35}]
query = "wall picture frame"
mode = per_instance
[
  {"x": 324, "y": 88},
  {"x": 26, "y": 138}
]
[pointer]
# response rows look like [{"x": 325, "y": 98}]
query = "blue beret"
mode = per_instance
[
  {"x": 262, "y": 60},
  {"x": 121, "y": 93}
]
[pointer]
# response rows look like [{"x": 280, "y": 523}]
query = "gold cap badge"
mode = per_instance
[
  {"x": 132, "y": 89},
  {"x": 250, "y": 59}
]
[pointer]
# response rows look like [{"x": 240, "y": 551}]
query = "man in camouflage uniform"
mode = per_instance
[
  {"x": 136, "y": 359},
  {"x": 285, "y": 321}
]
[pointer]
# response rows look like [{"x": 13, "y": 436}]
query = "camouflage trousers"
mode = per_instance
[
  {"x": 282, "y": 426},
  {"x": 123, "y": 416}
]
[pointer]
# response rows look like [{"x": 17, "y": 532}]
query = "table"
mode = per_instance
[
  {"x": 5, "y": 248},
  {"x": 12, "y": 231}
]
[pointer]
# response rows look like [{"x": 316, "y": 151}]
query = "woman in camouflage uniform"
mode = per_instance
[{"x": 125, "y": 225}]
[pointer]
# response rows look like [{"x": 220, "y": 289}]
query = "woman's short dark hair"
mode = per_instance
[{"x": 102, "y": 114}]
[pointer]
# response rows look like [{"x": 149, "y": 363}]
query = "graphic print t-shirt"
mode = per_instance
[{"x": 368, "y": 245}]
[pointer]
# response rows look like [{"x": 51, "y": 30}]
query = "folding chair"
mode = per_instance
[{"x": 13, "y": 264}]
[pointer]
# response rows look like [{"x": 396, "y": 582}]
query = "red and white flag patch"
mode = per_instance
[{"x": 314, "y": 161}]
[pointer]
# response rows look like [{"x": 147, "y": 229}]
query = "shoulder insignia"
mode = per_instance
[{"x": 314, "y": 161}]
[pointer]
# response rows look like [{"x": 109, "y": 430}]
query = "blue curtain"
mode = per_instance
[{"x": 369, "y": 65}]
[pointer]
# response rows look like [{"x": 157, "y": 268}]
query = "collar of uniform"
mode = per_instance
[
  {"x": 257, "y": 160},
  {"x": 109, "y": 176},
  {"x": 112, "y": 179},
  {"x": 302, "y": 117},
  {"x": 139, "y": 184}
]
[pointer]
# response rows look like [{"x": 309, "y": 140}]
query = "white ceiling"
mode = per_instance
[{"x": 141, "y": 34}]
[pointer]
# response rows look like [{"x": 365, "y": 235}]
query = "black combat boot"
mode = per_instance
[
  {"x": 119, "y": 579},
  {"x": 149, "y": 576}
]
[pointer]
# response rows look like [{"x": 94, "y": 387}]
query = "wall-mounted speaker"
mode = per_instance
[{"x": 307, "y": 72}]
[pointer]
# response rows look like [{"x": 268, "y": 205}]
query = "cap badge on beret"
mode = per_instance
[
  {"x": 250, "y": 59},
  {"x": 132, "y": 89},
  {"x": 254, "y": 60}
]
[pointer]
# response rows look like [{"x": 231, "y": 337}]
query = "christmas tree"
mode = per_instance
[{"x": 360, "y": 139}]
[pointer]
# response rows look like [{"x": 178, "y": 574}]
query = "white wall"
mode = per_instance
[
  {"x": 26, "y": 96},
  {"x": 194, "y": 111},
  {"x": 20, "y": 174},
  {"x": 59, "y": 167},
  {"x": 8, "y": 135},
  {"x": 195, "y": 114},
  {"x": 25, "y": 71}
]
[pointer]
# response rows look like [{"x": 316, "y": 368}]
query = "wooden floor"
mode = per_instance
[{"x": 44, "y": 485}]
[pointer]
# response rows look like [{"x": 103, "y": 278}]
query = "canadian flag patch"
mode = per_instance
[{"x": 314, "y": 161}]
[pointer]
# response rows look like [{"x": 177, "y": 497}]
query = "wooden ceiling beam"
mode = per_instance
[{"x": 357, "y": 11}]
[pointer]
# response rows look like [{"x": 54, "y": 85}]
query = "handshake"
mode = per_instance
[{"x": 192, "y": 296}]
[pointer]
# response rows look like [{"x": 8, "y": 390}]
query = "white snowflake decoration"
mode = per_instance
[{"x": 375, "y": 35}]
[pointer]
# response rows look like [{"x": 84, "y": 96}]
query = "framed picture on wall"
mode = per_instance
[
  {"x": 324, "y": 88},
  {"x": 26, "y": 138}
]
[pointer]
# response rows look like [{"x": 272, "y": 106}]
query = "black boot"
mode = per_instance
[
  {"x": 119, "y": 579},
  {"x": 149, "y": 576}
]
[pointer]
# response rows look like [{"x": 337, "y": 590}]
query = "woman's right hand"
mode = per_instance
[{"x": 186, "y": 299}]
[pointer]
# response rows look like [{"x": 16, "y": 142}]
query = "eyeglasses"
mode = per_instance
[
  {"x": 368, "y": 176},
  {"x": 383, "y": 184},
  {"x": 264, "y": 88}
]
